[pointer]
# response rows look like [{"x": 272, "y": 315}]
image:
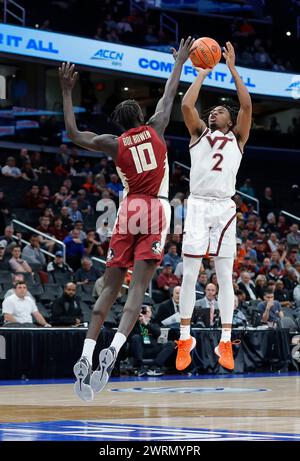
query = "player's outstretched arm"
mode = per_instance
[
  {"x": 191, "y": 117},
  {"x": 86, "y": 139},
  {"x": 244, "y": 119},
  {"x": 163, "y": 109}
]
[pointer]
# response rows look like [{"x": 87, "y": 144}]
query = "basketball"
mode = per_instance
[{"x": 206, "y": 53}]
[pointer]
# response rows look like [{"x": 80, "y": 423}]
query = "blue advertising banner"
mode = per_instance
[{"x": 137, "y": 61}]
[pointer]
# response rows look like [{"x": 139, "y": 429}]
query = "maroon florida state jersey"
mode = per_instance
[{"x": 142, "y": 162}]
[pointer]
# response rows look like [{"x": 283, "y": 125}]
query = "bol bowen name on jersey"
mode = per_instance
[
  {"x": 215, "y": 159},
  {"x": 142, "y": 162}
]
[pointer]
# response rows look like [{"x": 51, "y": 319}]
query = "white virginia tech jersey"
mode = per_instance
[{"x": 215, "y": 160}]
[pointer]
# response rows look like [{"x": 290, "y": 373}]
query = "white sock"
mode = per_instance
[
  {"x": 185, "y": 331},
  {"x": 118, "y": 341},
  {"x": 226, "y": 335},
  {"x": 88, "y": 349}
]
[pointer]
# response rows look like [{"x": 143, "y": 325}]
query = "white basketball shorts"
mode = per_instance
[{"x": 209, "y": 228}]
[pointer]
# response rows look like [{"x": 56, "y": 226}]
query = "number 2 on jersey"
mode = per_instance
[
  {"x": 220, "y": 158},
  {"x": 139, "y": 157}
]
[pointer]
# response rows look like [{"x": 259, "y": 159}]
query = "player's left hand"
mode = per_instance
[
  {"x": 184, "y": 50},
  {"x": 67, "y": 76},
  {"x": 229, "y": 55}
]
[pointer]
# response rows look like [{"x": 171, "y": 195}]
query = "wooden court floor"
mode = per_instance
[{"x": 269, "y": 404}]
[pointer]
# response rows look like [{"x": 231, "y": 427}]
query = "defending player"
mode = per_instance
[
  {"x": 210, "y": 226},
  {"x": 140, "y": 155}
]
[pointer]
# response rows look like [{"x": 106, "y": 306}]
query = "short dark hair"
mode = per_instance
[
  {"x": 127, "y": 113},
  {"x": 233, "y": 112},
  {"x": 268, "y": 291},
  {"x": 20, "y": 282}
]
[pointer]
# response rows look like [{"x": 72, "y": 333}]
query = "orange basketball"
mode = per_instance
[{"x": 206, "y": 53}]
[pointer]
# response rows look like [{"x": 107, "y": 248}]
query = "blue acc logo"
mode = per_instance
[
  {"x": 294, "y": 87},
  {"x": 115, "y": 57}
]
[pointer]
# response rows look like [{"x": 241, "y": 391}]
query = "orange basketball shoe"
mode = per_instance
[
  {"x": 184, "y": 346},
  {"x": 224, "y": 351}
]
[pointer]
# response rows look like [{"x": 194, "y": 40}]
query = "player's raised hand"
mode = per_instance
[
  {"x": 184, "y": 50},
  {"x": 203, "y": 72},
  {"x": 67, "y": 76},
  {"x": 229, "y": 55}
]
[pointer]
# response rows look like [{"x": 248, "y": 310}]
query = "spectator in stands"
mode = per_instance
[
  {"x": 10, "y": 170},
  {"x": 33, "y": 199},
  {"x": 87, "y": 273},
  {"x": 63, "y": 154},
  {"x": 172, "y": 257},
  {"x": 169, "y": 307},
  {"x": 58, "y": 265},
  {"x": 18, "y": 264},
  {"x": 270, "y": 309},
  {"x": 260, "y": 286},
  {"x": 261, "y": 253},
  {"x": 79, "y": 226},
  {"x": 247, "y": 286},
  {"x": 66, "y": 220},
  {"x": 44, "y": 227},
  {"x": 4, "y": 264},
  {"x": 247, "y": 188},
  {"x": 74, "y": 213},
  {"x": 267, "y": 203},
  {"x": 100, "y": 184},
  {"x": 92, "y": 244},
  {"x": 83, "y": 204},
  {"x": 143, "y": 344},
  {"x": 28, "y": 172},
  {"x": 57, "y": 230},
  {"x": 208, "y": 302},
  {"x": 17, "y": 278},
  {"x": 274, "y": 125},
  {"x": 274, "y": 273},
  {"x": 66, "y": 308},
  {"x": 114, "y": 186},
  {"x": 89, "y": 185},
  {"x": 293, "y": 238},
  {"x": 283, "y": 228},
  {"x": 273, "y": 242},
  {"x": 32, "y": 253},
  {"x": 19, "y": 307},
  {"x": 282, "y": 295},
  {"x": 5, "y": 211},
  {"x": 167, "y": 280},
  {"x": 74, "y": 249},
  {"x": 290, "y": 280},
  {"x": 201, "y": 284},
  {"x": 62, "y": 197},
  {"x": 8, "y": 238},
  {"x": 296, "y": 295}
]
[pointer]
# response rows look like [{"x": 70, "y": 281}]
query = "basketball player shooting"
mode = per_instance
[
  {"x": 210, "y": 225},
  {"x": 140, "y": 155}
]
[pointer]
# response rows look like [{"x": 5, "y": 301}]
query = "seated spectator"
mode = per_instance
[
  {"x": 201, "y": 284},
  {"x": 87, "y": 273},
  {"x": 260, "y": 286},
  {"x": 239, "y": 318},
  {"x": 273, "y": 242},
  {"x": 33, "y": 199},
  {"x": 66, "y": 308},
  {"x": 66, "y": 220},
  {"x": 57, "y": 230},
  {"x": 208, "y": 302},
  {"x": 247, "y": 188},
  {"x": 270, "y": 309},
  {"x": 143, "y": 344},
  {"x": 172, "y": 257},
  {"x": 89, "y": 185},
  {"x": 247, "y": 286},
  {"x": 79, "y": 226},
  {"x": 10, "y": 169},
  {"x": 44, "y": 227},
  {"x": 4, "y": 264},
  {"x": 28, "y": 172},
  {"x": 83, "y": 204},
  {"x": 167, "y": 280},
  {"x": 282, "y": 295},
  {"x": 170, "y": 307},
  {"x": 114, "y": 186},
  {"x": 92, "y": 244},
  {"x": 58, "y": 265},
  {"x": 100, "y": 184},
  {"x": 62, "y": 197},
  {"x": 32, "y": 253},
  {"x": 8, "y": 238},
  {"x": 18, "y": 264},
  {"x": 19, "y": 307},
  {"x": 74, "y": 249},
  {"x": 290, "y": 280},
  {"x": 293, "y": 238},
  {"x": 17, "y": 278},
  {"x": 73, "y": 212}
]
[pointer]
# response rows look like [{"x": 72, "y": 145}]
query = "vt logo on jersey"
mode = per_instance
[
  {"x": 224, "y": 140},
  {"x": 156, "y": 248}
]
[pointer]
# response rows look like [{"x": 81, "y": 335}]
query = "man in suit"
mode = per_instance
[
  {"x": 208, "y": 302},
  {"x": 169, "y": 307},
  {"x": 247, "y": 286}
]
